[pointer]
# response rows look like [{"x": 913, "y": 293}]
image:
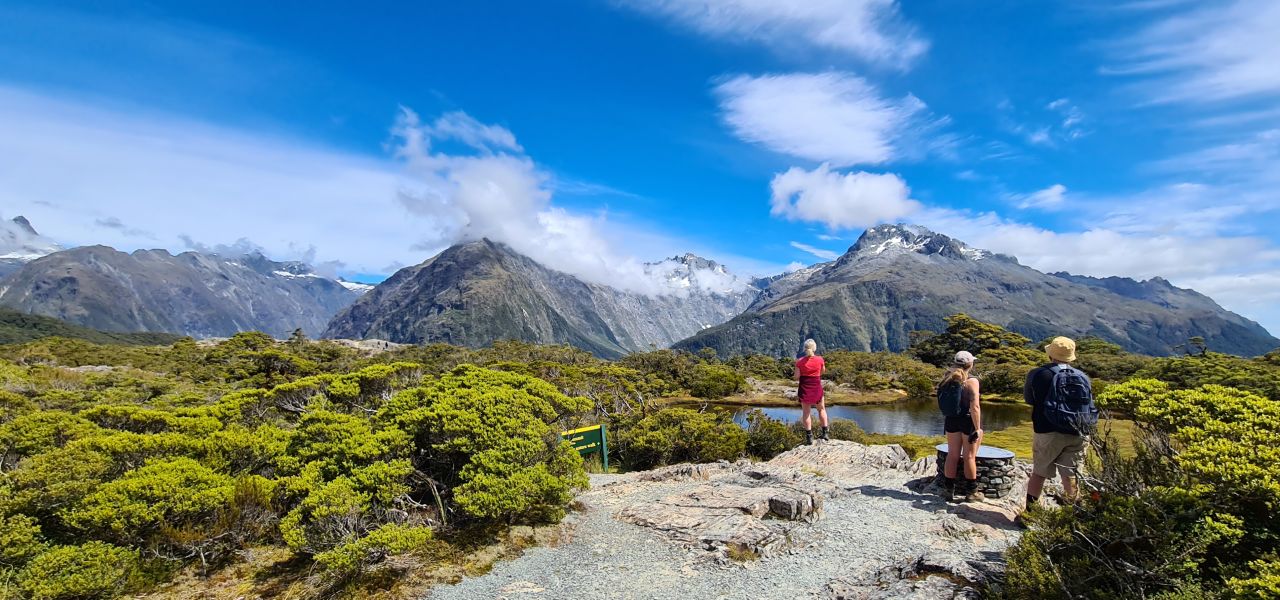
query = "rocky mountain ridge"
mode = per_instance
[
  {"x": 201, "y": 295},
  {"x": 476, "y": 293},
  {"x": 901, "y": 278},
  {"x": 20, "y": 244}
]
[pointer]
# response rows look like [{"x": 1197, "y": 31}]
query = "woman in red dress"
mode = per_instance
[{"x": 809, "y": 370}]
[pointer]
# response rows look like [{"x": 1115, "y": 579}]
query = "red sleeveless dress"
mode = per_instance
[{"x": 810, "y": 370}]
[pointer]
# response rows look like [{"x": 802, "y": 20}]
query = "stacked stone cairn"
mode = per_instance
[{"x": 995, "y": 470}]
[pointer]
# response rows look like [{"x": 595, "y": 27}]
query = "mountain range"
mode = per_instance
[
  {"x": 201, "y": 295},
  {"x": 476, "y": 293},
  {"x": 899, "y": 278},
  {"x": 894, "y": 280}
]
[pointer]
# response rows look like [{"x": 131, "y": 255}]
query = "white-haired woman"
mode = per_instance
[
  {"x": 958, "y": 396},
  {"x": 809, "y": 370}
]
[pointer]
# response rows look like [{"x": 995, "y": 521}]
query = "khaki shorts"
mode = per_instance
[{"x": 1053, "y": 452}]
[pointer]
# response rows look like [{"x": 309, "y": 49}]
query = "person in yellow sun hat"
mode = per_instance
[{"x": 1063, "y": 415}]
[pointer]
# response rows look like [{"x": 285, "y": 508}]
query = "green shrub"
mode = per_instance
[
  {"x": 676, "y": 435},
  {"x": 170, "y": 493},
  {"x": 767, "y": 438},
  {"x": 90, "y": 570},
  {"x": 19, "y": 540},
  {"x": 715, "y": 381},
  {"x": 353, "y": 558},
  {"x": 967, "y": 333},
  {"x": 874, "y": 371},
  {"x": 340, "y": 443},
  {"x": 31, "y": 434},
  {"x": 488, "y": 436}
]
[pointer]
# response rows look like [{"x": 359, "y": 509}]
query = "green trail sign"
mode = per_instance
[{"x": 589, "y": 439}]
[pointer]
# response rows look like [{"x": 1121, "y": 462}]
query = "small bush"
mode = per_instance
[
  {"x": 356, "y": 557},
  {"x": 677, "y": 435},
  {"x": 713, "y": 381},
  {"x": 767, "y": 438},
  {"x": 19, "y": 540},
  {"x": 88, "y": 571},
  {"x": 171, "y": 493}
]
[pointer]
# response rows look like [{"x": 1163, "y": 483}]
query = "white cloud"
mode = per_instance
[
  {"x": 840, "y": 200},
  {"x": 1049, "y": 198},
  {"x": 833, "y": 117},
  {"x": 1207, "y": 53},
  {"x": 818, "y": 252},
  {"x": 871, "y": 30},
  {"x": 129, "y": 179}
]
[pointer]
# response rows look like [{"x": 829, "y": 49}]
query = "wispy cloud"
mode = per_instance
[
  {"x": 832, "y": 117},
  {"x": 818, "y": 252},
  {"x": 870, "y": 30},
  {"x": 1206, "y": 53},
  {"x": 1055, "y": 123},
  {"x": 840, "y": 200},
  {"x": 1049, "y": 198}
]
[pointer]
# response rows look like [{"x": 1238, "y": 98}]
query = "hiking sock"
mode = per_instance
[
  {"x": 808, "y": 437},
  {"x": 826, "y": 433},
  {"x": 949, "y": 488}
]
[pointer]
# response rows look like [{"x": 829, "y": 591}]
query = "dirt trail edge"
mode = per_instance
[{"x": 834, "y": 520}]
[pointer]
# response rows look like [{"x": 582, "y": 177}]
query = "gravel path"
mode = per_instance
[{"x": 876, "y": 527}]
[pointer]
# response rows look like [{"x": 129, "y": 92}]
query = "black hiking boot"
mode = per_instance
[
  {"x": 949, "y": 489},
  {"x": 972, "y": 493},
  {"x": 808, "y": 437},
  {"x": 826, "y": 434}
]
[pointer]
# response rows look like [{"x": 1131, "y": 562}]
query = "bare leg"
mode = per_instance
[
  {"x": 954, "y": 442},
  {"x": 970, "y": 459},
  {"x": 1035, "y": 485},
  {"x": 822, "y": 414},
  {"x": 1068, "y": 483},
  {"x": 805, "y": 421}
]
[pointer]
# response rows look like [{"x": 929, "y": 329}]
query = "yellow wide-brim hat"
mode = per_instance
[{"x": 1062, "y": 349}]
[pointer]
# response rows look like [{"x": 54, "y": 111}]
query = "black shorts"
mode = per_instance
[{"x": 962, "y": 424}]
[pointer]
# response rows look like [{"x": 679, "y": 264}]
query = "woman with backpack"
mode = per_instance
[
  {"x": 958, "y": 399},
  {"x": 809, "y": 390}
]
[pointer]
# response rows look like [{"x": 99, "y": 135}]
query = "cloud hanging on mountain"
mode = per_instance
[{"x": 495, "y": 191}]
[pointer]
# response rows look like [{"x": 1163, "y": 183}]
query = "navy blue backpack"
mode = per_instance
[{"x": 1069, "y": 406}]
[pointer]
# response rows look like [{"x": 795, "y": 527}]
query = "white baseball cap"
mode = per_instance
[{"x": 962, "y": 358}]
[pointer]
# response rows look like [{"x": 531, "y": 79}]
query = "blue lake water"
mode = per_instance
[{"x": 918, "y": 417}]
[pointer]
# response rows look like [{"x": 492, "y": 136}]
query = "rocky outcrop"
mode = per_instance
[
  {"x": 899, "y": 278},
  {"x": 835, "y": 520}
]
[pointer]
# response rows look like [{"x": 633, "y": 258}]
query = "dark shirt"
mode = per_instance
[{"x": 1039, "y": 385}]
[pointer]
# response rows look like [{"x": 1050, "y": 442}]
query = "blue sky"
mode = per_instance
[{"x": 1103, "y": 138}]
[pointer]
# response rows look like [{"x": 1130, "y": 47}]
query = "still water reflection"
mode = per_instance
[{"x": 919, "y": 417}]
